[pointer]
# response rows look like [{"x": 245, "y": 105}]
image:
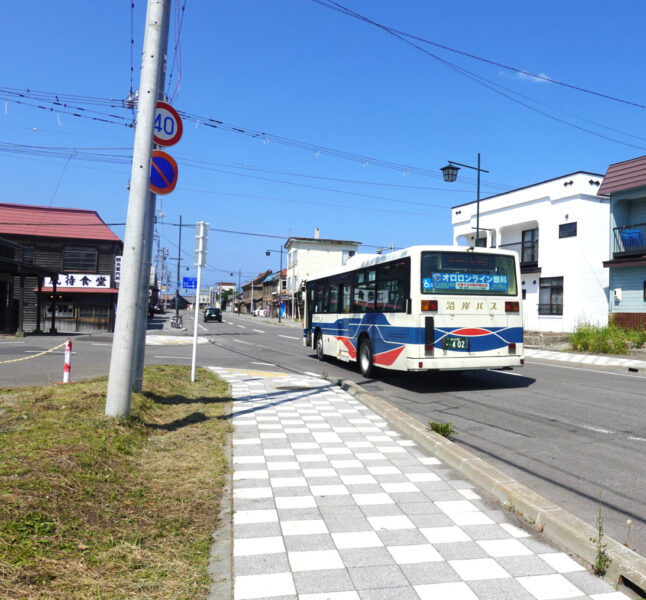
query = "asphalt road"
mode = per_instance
[{"x": 575, "y": 435}]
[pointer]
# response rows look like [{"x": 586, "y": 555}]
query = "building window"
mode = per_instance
[
  {"x": 529, "y": 247},
  {"x": 28, "y": 254},
  {"x": 347, "y": 254},
  {"x": 567, "y": 230},
  {"x": 550, "y": 297},
  {"x": 79, "y": 259}
]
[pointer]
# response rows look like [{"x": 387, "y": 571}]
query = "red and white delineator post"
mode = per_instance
[{"x": 68, "y": 361}]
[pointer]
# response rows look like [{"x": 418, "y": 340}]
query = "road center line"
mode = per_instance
[
  {"x": 258, "y": 330},
  {"x": 241, "y": 342},
  {"x": 265, "y": 364},
  {"x": 176, "y": 357},
  {"x": 289, "y": 337}
]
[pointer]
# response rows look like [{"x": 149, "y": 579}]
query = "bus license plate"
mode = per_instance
[{"x": 456, "y": 343}]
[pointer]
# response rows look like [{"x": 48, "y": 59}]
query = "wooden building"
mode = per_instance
[{"x": 66, "y": 270}]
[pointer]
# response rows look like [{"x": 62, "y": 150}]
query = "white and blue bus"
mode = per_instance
[{"x": 419, "y": 309}]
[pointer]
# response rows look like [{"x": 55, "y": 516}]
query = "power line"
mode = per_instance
[
  {"x": 476, "y": 78},
  {"x": 350, "y": 13}
]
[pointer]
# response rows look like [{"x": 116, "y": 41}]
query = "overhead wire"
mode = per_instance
[
  {"x": 331, "y": 4},
  {"x": 474, "y": 77}
]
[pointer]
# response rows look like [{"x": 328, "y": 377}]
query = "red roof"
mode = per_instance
[
  {"x": 623, "y": 176},
  {"x": 44, "y": 221}
]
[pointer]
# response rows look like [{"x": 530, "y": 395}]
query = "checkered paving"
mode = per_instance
[{"x": 332, "y": 504}]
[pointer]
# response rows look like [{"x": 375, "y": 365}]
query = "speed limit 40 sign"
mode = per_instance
[{"x": 168, "y": 128}]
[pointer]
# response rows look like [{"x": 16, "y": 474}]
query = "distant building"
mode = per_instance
[
  {"x": 625, "y": 184},
  {"x": 559, "y": 228},
  {"x": 308, "y": 256},
  {"x": 75, "y": 258}
]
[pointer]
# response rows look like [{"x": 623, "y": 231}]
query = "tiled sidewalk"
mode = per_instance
[{"x": 331, "y": 504}]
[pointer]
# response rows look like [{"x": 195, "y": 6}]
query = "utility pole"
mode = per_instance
[
  {"x": 122, "y": 361},
  {"x": 142, "y": 320}
]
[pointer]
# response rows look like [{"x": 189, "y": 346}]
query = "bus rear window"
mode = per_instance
[{"x": 466, "y": 273}]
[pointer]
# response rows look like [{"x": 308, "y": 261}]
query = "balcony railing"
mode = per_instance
[
  {"x": 630, "y": 239},
  {"x": 527, "y": 252},
  {"x": 550, "y": 309}
]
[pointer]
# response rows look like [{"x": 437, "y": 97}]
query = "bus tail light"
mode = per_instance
[
  {"x": 429, "y": 333},
  {"x": 512, "y": 348},
  {"x": 429, "y": 305},
  {"x": 512, "y": 307}
]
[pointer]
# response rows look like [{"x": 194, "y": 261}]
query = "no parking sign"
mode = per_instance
[{"x": 163, "y": 173}]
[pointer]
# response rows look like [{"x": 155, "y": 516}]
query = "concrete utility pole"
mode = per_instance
[
  {"x": 151, "y": 199},
  {"x": 122, "y": 362}
]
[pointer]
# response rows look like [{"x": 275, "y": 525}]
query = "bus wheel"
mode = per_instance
[
  {"x": 318, "y": 346},
  {"x": 366, "y": 365}
]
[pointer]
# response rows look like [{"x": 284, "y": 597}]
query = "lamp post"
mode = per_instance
[
  {"x": 450, "y": 174},
  {"x": 280, "y": 278}
]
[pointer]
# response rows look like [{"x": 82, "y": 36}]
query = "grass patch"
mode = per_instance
[
  {"x": 444, "y": 429},
  {"x": 100, "y": 508},
  {"x": 606, "y": 340}
]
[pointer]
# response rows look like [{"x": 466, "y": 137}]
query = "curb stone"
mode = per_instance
[
  {"x": 569, "y": 531},
  {"x": 220, "y": 565}
]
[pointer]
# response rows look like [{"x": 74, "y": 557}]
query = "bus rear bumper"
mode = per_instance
[{"x": 463, "y": 363}]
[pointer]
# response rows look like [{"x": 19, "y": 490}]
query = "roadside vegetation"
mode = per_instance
[
  {"x": 100, "y": 508},
  {"x": 606, "y": 340}
]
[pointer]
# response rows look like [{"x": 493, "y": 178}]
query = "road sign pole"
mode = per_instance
[
  {"x": 129, "y": 300},
  {"x": 202, "y": 236}
]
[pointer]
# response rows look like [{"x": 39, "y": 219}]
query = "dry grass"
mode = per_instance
[{"x": 100, "y": 508}]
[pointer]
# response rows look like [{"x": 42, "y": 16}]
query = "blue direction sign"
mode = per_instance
[
  {"x": 189, "y": 283},
  {"x": 163, "y": 173}
]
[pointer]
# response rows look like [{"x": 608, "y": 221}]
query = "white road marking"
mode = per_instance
[
  {"x": 508, "y": 373},
  {"x": 636, "y": 439},
  {"x": 258, "y": 331},
  {"x": 175, "y": 357},
  {"x": 241, "y": 342},
  {"x": 584, "y": 369},
  {"x": 312, "y": 374},
  {"x": 265, "y": 364},
  {"x": 202, "y": 327},
  {"x": 596, "y": 429},
  {"x": 101, "y": 344},
  {"x": 289, "y": 337},
  {"x": 12, "y": 342},
  {"x": 241, "y": 326}
]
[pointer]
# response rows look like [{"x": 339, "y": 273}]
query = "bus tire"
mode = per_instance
[
  {"x": 366, "y": 366},
  {"x": 318, "y": 346}
]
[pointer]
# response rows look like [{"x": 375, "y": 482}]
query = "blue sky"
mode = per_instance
[{"x": 311, "y": 77}]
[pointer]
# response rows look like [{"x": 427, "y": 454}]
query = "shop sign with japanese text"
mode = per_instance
[{"x": 80, "y": 280}]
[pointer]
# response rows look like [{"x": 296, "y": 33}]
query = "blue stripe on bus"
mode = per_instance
[{"x": 385, "y": 336}]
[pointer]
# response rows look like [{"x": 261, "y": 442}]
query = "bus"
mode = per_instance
[{"x": 423, "y": 308}]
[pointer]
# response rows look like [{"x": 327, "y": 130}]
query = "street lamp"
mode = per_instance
[
  {"x": 280, "y": 278},
  {"x": 450, "y": 174}
]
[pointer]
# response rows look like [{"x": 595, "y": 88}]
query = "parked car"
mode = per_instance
[
  {"x": 259, "y": 312},
  {"x": 212, "y": 314}
]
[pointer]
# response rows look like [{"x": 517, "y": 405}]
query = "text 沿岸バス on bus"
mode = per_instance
[{"x": 417, "y": 309}]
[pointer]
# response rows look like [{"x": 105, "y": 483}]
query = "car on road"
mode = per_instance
[{"x": 212, "y": 313}]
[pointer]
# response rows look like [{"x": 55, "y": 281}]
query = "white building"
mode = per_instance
[
  {"x": 308, "y": 256},
  {"x": 560, "y": 230}
]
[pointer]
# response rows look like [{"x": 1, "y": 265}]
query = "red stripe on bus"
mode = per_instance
[
  {"x": 471, "y": 332},
  {"x": 389, "y": 357},
  {"x": 352, "y": 351}
]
